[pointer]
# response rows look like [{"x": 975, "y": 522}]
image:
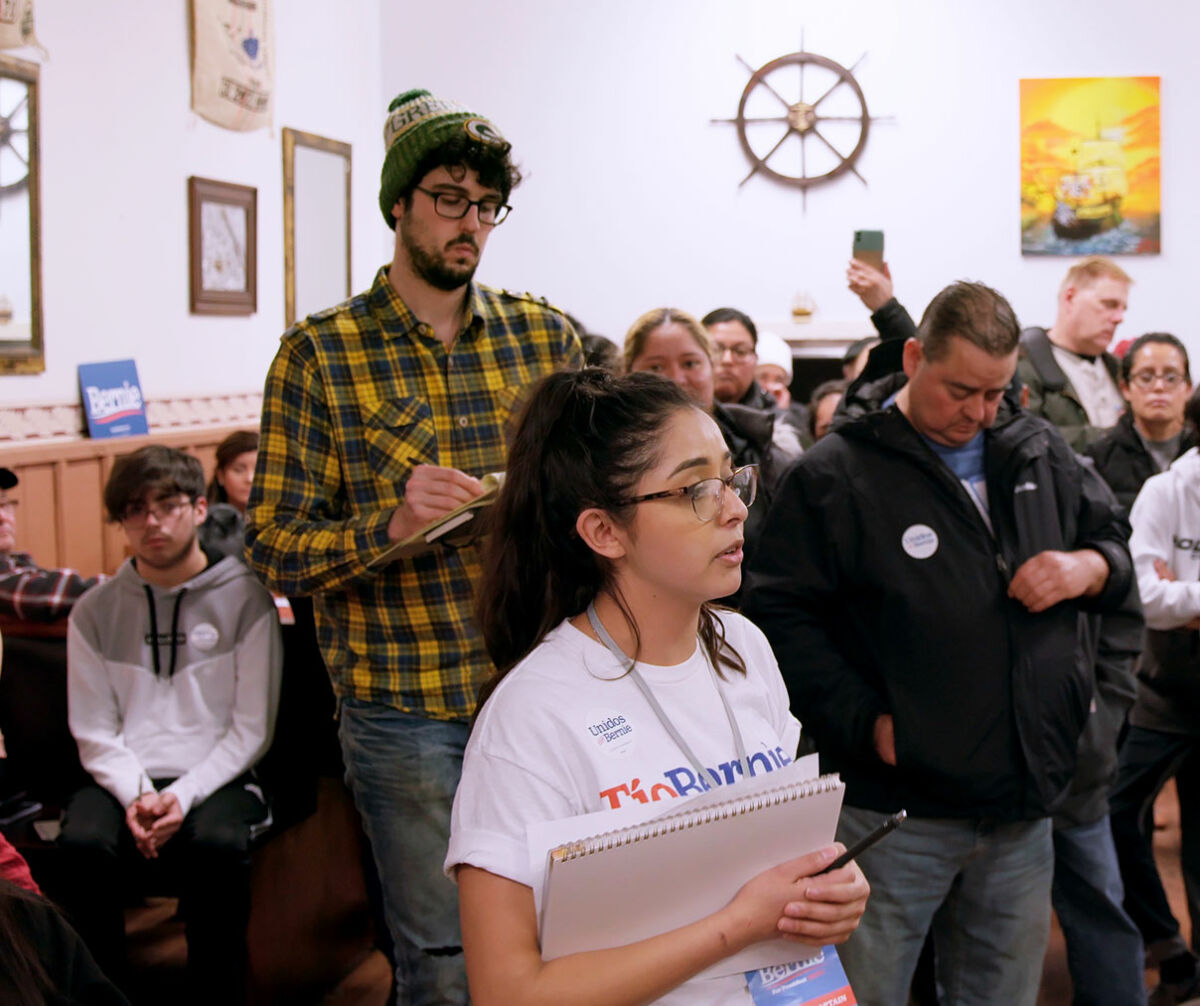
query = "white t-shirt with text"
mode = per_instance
[{"x": 568, "y": 732}]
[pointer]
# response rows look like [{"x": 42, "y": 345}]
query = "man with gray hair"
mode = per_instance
[
  {"x": 1071, "y": 376},
  {"x": 920, "y": 579},
  {"x": 379, "y": 416}
]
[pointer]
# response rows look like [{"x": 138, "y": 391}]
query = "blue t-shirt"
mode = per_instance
[{"x": 967, "y": 464}]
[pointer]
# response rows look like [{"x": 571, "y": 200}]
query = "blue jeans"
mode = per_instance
[
  {"x": 1104, "y": 947},
  {"x": 983, "y": 886},
  {"x": 403, "y": 770},
  {"x": 1148, "y": 758}
]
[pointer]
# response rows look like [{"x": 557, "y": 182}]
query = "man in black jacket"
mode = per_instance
[
  {"x": 734, "y": 338},
  {"x": 920, "y": 578}
]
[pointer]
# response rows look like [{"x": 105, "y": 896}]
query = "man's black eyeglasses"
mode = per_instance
[{"x": 455, "y": 206}]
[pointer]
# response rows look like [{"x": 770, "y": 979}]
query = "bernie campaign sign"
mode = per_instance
[{"x": 112, "y": 399}]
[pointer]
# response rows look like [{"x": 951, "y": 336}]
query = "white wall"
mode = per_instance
[
  {"x": 119, "y": 141},
  {"x": 631, "y": 198}
]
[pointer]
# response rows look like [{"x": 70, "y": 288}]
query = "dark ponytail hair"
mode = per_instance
[{"x": 584, "y": 440}]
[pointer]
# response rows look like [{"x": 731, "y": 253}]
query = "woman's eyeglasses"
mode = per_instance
[{"x": 708, "y": 495}]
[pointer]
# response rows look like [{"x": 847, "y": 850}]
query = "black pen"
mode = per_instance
[{"x": 891, "y": 824}]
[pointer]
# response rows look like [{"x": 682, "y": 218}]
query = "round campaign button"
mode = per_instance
[
  {"x": 204, "y": 636},
  {"x": 920, "y": 541}
]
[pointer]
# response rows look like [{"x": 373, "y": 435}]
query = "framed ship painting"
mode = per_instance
[{"x": 1090, "y": 166}]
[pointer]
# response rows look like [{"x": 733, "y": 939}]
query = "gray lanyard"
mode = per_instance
[{"x": 630, "y": 666}]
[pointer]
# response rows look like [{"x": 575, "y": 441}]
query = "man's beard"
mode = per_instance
[{"x": 434, "y": 270}]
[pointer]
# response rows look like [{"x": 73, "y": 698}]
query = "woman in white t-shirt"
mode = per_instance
[{"x": 617, "y": 682}]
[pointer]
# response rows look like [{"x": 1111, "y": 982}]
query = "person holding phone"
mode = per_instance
[
  {"x": 870, "y": 278},
  {"x": 620, "y": 520}
]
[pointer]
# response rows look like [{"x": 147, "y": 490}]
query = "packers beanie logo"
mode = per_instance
[
  {"x": 484, "y": 132},
  {"x": 418, "y": 123}
]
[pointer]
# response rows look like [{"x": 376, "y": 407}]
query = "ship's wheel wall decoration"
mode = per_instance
[
  {"x": 14, "y": 136},
  {"x": 802, "y": 120}
]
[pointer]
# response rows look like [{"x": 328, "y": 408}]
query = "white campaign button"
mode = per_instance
[
  {"x": 204, "y": 636},
  {"x": 920, "y": 541}
]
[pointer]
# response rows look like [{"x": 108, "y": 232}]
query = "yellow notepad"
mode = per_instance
[{"x": 426, "y": 539}]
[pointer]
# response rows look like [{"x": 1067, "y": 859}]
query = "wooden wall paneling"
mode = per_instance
[
  {"x": 207, "y": 453},
  {"x": 82, "y": 510},
  {"x": 37, "y": 526},
  {"x": 61, "y": 506},
  {"x": 112, "y": 536}
]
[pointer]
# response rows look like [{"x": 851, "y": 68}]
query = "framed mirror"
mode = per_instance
[
  {"x": 21, "y": 349},
  {"x": 316, "y": 223}
]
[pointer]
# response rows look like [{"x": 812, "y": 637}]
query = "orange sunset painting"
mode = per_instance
[{"x": 1090, "y": 166}]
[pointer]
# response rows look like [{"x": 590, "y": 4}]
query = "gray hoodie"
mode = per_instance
[{"x": 180, "y": 683}]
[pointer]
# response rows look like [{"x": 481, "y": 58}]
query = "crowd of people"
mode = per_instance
[{"x": 925, "y": 573}]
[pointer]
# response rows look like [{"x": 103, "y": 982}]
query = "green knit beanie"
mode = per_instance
[{"x": 417, "y": 123}]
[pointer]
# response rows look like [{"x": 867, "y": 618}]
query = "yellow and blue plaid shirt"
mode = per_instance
[{"x": 356, "y": 396}]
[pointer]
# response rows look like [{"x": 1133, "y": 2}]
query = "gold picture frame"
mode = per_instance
[
  {"x": 316, "y": 223},
  {"x": 22, "y": 350}
]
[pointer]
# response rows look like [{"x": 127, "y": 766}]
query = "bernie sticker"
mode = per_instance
[
  {"x": 920, "y": 541},
  {"x": 204, "y": 636},
  {"x": 610, "y": 731}
]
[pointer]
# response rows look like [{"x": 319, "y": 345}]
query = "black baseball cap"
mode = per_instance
[{"x": 8, "y": 478}]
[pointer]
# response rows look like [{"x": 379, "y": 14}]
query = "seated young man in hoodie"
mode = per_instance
[{"x": 173, "y": 670}]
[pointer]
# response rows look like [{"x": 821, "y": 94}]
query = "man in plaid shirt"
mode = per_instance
[
  {"x": 28, "y": 592},
  {"x": 380, "y": 415}
]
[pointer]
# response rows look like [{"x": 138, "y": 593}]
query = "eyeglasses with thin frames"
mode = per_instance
[
  {"x": 708, "y": 495},
  {"x": 455, "y": 206},
  {"x": 136, "y": 514},
  {"x": 1147, "y": 378},
  {"x": 740, "y": 352}
]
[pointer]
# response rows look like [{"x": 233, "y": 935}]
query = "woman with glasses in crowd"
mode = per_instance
[
  {"x": 672, "y": 343},
  {"x": 621, "y": 519},
  {"x": 1151, "y": 433}
]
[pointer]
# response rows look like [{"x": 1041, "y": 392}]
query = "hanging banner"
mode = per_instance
[
  {"x": 16, "y": 24},
  {"x": 233, "y": 62}
]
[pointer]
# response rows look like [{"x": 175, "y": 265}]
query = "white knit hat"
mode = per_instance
[{"x": 772, "y": 349}]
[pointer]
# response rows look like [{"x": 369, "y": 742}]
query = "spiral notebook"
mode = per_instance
[{"x": 633, "y": 883}]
